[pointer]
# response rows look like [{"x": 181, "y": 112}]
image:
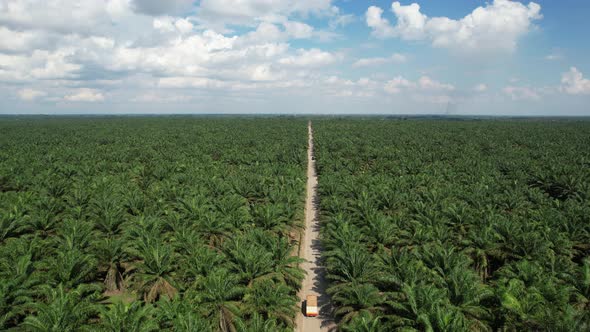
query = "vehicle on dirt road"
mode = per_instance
[{"x": 311, "y": 306}]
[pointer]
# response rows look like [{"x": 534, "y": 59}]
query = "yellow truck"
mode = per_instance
[{"x": 311, "y": 306}]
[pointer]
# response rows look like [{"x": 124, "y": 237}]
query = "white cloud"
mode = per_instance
[
  {"x": 424, "y": 84},
  {"x": 152, "y": 97},
  {"x": 162, "y": 7},
  {"x": 271, "y": 31},
  {"x": 434, "y": 99},
  {"x": 265, "y": 32},
  {"x": 309, "y": 58},
  {"x": 399, "y": 58},
  {"x": 341, "y": 21},
  {"x": 21, "y": 41},
  {"x": 496, "y": 27},
  {"x": 298, "y": 30},
  {"x": 40, "y": 65},
  {"x": 190, "y": 55},
  {"x": 411, "y": 22},
  {"x": 396, "y": 85},
  {"x": 574, "y": 83},
  {"x": 264, "y": 72},
  {"x": 335, "y": 80},
  {"x": 120, "y": 8},
  {"x": 326, "y": 36},
  {"x": 335, "y": 86},
  {"x": 61, "y": 15},
  {"x": 427, "y": 83},
  {"x": 522, "y": 93},
  {"x": 367, "y": 82},
  {"x": 381, "y": 27},
  {"x": 31, "y": 94},
  {"x": 167, "y": 24},
  {"x": 367, "y": 62},
  {"x": 190, "y": 82},
  {"x": 554, "y": 56},
  {"x": 480, "y": 88},
  {"x": 85, "y": 95},
  {"x": 219, "y": 13}
]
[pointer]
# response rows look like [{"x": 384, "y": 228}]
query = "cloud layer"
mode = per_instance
[{"x": 247, "y": 54}]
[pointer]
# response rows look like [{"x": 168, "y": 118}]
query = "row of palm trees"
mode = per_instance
[
  {"x": 150, "y": 224},
  {"x": 456, "y": 226}
]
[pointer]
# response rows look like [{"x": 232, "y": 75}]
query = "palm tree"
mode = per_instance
[
  {"x": 74, "y": 234},
  {"x": 273, "y": 300},
  {"x": 121, "y": 317},
  {"x": 63, "y": 312},
  {"x": 349, "y": 265},
  {"x": 249, "y": 259},
  {"x": 447, "y": 319},
  {"x": 380, "y": 229},
  {"x": 467, "y": 294},
  {"x": 234, "y": 209},
  {"x": 258, "y": 323},
  {"x": 364, "y": 322},
  {"x": 70, "y": 267},
  {"x": 214, "y": 228},
  {"x": 285, "y": 264},
  {"x": 178, "y": 315},
  {"x": 357, "y": 300},
  {"x": 44, "y": 220},
  {"x": 219, "y": 294},
  {"x": 521, "y": 306},
  {"x": 416, "y": 305},
  {"x": 136, "y": 202},
  {"x": 106, "y": 211},
  {"x": 155, "y": 268},
  {"x": 111, "y": 253},
  {"x": 583, "y": 288},
  {"x": 341, "y": 232},
  {"x": 17, "y": 287},
  {"x": 107, "y": 214},
  {"x": 331, "y": 205},
  {"x": 270, "y": 217},
  {"x": 77, "y": 196},
  {"x": 195, "y": 207},
  {"x": 483, "y": 246},
  {"x": 198, "y": 261},
  {"x": 364, "y": 205},
  {"x": 144, "y": 228},
  {"x": 569, "y": 319},
  {"x": 12, "y": 223},
  {"x": 443, "y": 259}
]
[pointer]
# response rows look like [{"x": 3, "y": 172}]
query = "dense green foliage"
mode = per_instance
[
  {"x": 456, "y": 226},
  {"x": 149, "y": 224}
]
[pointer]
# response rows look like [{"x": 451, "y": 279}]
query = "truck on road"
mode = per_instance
[{"x": 311, "y": 306}]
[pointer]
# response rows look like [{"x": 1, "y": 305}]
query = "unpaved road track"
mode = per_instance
[{"x": 314, "y": 282}]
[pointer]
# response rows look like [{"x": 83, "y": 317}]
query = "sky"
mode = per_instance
[{"x": 455, "y": 57}]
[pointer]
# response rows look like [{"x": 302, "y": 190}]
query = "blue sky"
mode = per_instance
[{"x": 498, "y": 57}]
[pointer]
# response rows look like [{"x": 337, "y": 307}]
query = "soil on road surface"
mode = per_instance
[{"x": 314, "y": 282}]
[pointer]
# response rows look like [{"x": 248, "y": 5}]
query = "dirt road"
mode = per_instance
[{"x": 314, "y": 283}]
